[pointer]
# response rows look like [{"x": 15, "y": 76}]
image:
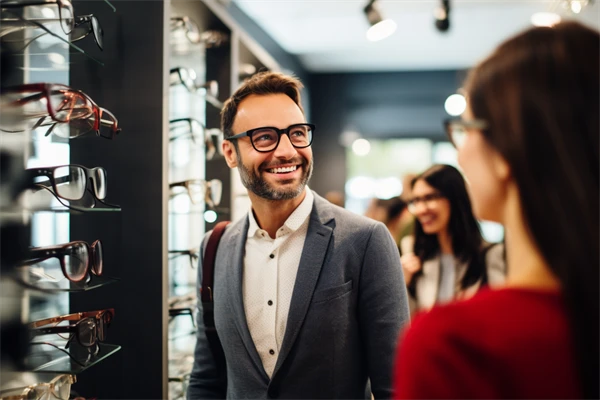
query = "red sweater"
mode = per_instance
[{"x": 509, "y": 343}]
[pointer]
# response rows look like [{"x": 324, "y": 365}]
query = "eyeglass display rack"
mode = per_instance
[
  {"x": 47, "y": 357},
  {"x": 134, "y": 83}
]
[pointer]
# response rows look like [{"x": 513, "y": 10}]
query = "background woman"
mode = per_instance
[
  {"x": 528, "y": 144},
  {"x": 447, "y": 257}
]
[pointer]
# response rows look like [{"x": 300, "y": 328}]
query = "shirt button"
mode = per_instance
[
  {"x": 271, "y": 352},
  {"x": 270, "y": 302},
  {"x": 272, "y": 255}
]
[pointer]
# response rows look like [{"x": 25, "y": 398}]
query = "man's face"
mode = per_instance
[{"x": 277, "y": 175}]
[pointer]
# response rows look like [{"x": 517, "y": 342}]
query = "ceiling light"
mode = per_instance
[
  {"x": 442, "y": 16},
  {"x": 210, "y": 216},
  {"x": 545, "y": 19},
  {"x": 455, "y": 104},
  {"x": 575, "y": 6},
  {"x": 380, "y": 28},
  {"x": 361, "y": 147}
]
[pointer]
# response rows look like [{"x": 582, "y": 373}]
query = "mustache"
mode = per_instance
[{"x": 296, "y": 160}]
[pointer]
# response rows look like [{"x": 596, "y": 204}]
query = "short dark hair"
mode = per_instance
[
  {"x": 539, "y": 94},
  {"x": 262, "y": 83},
  {"x": 393, "y": 207},
  {"x": 463, "y": 228}
]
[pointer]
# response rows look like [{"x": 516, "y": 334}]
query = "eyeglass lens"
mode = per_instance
[
  {"x": 267, "y": 139},
  {"x": 457, "y": 133},
  {"x": 76, "y": 261}
]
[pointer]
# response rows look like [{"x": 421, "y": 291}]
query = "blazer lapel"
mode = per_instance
[
  {"x": 235, "y": 270},
  {"x": 311, "y": 261}
]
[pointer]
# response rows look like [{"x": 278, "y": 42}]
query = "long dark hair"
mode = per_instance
[
  {"x": 463, "y": 228},
  {"x": 539, "y": 93}
]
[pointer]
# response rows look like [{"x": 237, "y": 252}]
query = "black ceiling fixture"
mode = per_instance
[{"x": 442, "y": 16}]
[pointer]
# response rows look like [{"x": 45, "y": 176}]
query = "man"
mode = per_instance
[{"x": 309, "y": 299}]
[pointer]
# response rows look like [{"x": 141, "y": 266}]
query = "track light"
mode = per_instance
[
  {"x": 575, "y": 6},
  {"x": 380, "y": 28},
  {"x": 442, "y": 16}
]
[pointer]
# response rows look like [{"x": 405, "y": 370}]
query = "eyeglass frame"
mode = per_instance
[
  {"x": 189, "y": 26},
  {"x": 98, "y": 121},
  {"x": 96, "y": 29},
  {"x": 66, "y": 3},
  {"x": 465, "y": 124},
  {"x": 412, "y": 203},
  {"x": 207, "y": 133},
  {"x": 27, "y": 389},
  {"x": 44, "y": 90},
  {"x": 279, "y": 132},
  {"x": 207, "y": 190},
  {"x": 100, "y": 317},
  {"x": 49, "y": 173},
  {"x": 39, "y": 254},
  {"x": 191, "y": 253},
  {"x": 96, "y": 110}
]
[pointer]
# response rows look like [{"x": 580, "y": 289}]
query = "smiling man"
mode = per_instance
[{"x": 308, "y": 297}]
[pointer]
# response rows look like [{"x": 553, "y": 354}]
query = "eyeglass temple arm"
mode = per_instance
[
  {"x": 79, "y": 49},
  {"x": 52, "y": 330},
  {"x": 72, "y": 317},
  {"x": 63, "y": 350}
]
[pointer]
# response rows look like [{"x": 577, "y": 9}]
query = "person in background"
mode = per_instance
[
  {"x": 308, "y": 297},
  {"x": 335, "y": 197},
  {"x": 389, "y": 211},
  {"x": 528, "y": 144},
  {"x": 447, "y": 258},
  {"x": 407, "y": 223}
]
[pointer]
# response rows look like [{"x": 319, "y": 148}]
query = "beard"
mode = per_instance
[{"x": 260, "y": 187}]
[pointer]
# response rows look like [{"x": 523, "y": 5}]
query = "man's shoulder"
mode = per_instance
[{"x": 344, "y": 218}]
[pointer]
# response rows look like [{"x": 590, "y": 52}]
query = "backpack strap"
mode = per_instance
[
  {"x": 208, "y": 262},
  {"x": 206, "y": 296}
]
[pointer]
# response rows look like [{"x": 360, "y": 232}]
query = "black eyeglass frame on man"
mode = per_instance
[{"x": 251, "y": 133}]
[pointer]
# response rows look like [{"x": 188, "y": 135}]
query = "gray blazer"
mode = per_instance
[{"x": 348, "y": 307}]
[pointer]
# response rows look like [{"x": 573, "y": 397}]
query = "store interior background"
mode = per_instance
[{"x": 378, "y": 108}]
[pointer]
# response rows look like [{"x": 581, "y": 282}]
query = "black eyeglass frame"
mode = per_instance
[
  {"x": 95, "y": 261},
  {"x": 280, "y": 132},
  {"x": 466, "y": 124},
  {"x": 52, "y": 181},
  {"x": 93, "y": 27}
]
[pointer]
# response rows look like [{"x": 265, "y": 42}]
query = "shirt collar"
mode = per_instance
[{"x": 294, "y": 221}]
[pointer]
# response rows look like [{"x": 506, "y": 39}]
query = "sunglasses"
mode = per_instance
[
  {"x": 90, "y": 328},
  {"x": 59, "y": 388},
  {"x": 69, "y": 182},
  {"x": 77, "y": 259}
]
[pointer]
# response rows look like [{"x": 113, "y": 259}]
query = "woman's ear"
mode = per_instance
[
  {"x": 500, "y": 167},
  {"x": 229, "y": 152}
]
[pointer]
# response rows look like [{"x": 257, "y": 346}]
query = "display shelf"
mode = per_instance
[
  {"x": 74, "y": 360},
  {"x": 65, "y": 285}
]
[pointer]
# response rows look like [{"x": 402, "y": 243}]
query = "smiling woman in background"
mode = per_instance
[
  {"x": 447, "y": 258},
  {"x": 529, "y": 144}
]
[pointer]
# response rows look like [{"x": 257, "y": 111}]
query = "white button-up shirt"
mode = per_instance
[{"x": 270, "y": 268}]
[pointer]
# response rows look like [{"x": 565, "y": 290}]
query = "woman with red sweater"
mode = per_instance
[{"x": 528, "y": 144}]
